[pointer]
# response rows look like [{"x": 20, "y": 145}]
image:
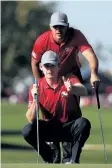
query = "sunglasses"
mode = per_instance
[
  {"x": 59, "y": 27},
  {"x": 49, "y": 65}
]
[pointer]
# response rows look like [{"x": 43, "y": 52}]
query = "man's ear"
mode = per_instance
[
  {"x": 50, "y": 27},
  {"x": 40, "y": 66}
]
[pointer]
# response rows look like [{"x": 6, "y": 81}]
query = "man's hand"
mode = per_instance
[
  {"x": 67, "y": 83},
  {"x": 34, "y": 90},
  {"x": 94, "y": 78}
]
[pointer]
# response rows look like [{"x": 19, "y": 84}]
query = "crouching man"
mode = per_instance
[{"x": 62, "y": 116}]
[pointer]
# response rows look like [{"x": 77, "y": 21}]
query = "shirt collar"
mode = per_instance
[{"x": 46, "y": 86}]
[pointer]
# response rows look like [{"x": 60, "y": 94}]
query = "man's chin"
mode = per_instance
[
  {"x": 59, "y": 36},
  {"x": 50, "y": 76}
]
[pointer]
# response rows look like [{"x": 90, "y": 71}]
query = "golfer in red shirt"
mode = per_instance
[
  {"x": 67, "y": 42},
  {"x": 62, "y": 117}
]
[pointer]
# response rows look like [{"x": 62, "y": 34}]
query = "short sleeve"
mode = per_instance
[
  {"x": 37, "y": 50},
  {"x": 40, "y": 46},
  {"x": 82, "y": 42},
  {"x": 74, "y": 79}
]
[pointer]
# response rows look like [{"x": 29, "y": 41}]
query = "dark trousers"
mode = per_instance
[
  {"x": 80, "y": 130},
  {"x": 67, "y": 146},
  {"x": 75, "y": 133}
]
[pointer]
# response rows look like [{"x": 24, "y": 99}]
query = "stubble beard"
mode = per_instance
[{"x": 59, "y": 39}]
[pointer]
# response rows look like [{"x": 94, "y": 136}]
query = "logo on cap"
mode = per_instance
[{"x": 61, "y": 20}]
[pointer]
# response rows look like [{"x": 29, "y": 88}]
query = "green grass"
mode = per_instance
[
  {"x": 87, "y": 157},
  {"x": 56, "y": 166},
  {"x": 13, "y": 118}
]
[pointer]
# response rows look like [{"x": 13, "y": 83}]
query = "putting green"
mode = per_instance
[{"x": 56, "y": 165}]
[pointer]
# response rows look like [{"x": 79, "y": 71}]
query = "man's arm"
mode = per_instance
[
  {"x": 87, "y": 51},
  {"x": 38, "y": 50},
  {"x": 92, "y": 59},
  {"x": 93, "y": 63},
  {"x": 75, "y": 87},
  {"x": 35, "y": 69},
  {"x": 30, "y": 114}
]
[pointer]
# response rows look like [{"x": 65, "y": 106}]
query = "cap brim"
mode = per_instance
[{"x": 60, "y": 23}]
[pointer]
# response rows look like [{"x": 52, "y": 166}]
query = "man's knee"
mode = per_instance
[
  {"x": 81, "y": 125},
  {"x": 85, "y": 123},
  {"x": 26, "y": 131}
]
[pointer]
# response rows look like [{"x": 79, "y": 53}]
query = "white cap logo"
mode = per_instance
[{"x": 61, "y": 20}]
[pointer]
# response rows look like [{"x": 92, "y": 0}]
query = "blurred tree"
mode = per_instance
[
  {"x": 23, "y": 8},
  {"x": 8, "y": 26},
  {"x": 21, "y": 23}
]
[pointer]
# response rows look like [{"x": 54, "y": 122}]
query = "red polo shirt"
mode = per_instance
[
  {"x": 67, "y": 51},
  {"x": 65, "y": 108}
]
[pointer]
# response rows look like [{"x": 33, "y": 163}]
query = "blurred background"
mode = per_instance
[{"x": 21, "y": 23}]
